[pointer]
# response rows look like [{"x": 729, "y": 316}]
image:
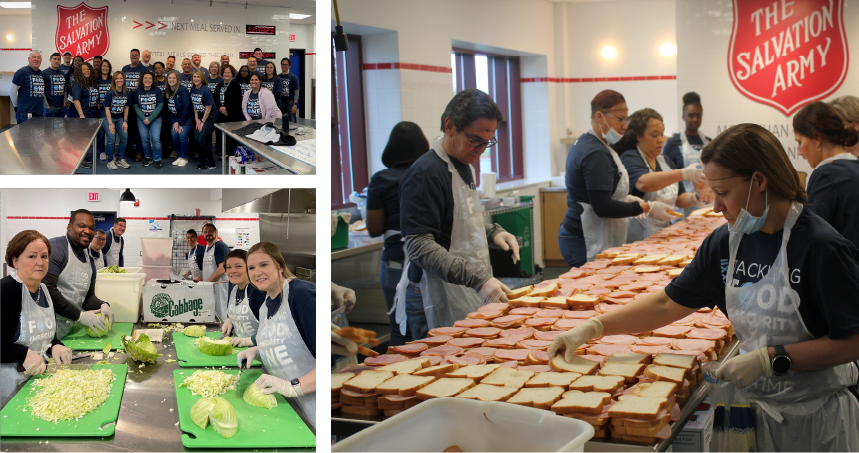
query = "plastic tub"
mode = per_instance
[
  {"x": 473, "y": 425},
  {"x": 156, "y": 272},
  {"x": 130, "y": 272},
  {"x": 123, "y": 293},
  {"x": 157, "y": 251}
]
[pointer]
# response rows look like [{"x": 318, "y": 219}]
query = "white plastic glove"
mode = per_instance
[
  {"x": 91, "y": 320},
  {"x": 268, "y": 384},
  {"x": 227, "y": 326},
  {"x": 633, "y": 198},
  {"x": 575, "y": 337},
  {"x": 507, "y": 241},
  {"x": 660, "y": 210},
  {"x": 61, "y": 354},
  {"x": 107, "y": 312},
  {"x": 493, "y": 291},
  {"x": 693, "y": 173},
  {"x": 342, "y": 346},
  {"x": 249, "y": 354},
  {"x": 743, "y": 370},
  {"x": 343, "y": 296},
  {"x": 34, "y": 363},
  {"x": 241, "y": 342}
]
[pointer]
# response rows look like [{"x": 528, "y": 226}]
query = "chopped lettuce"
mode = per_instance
[
  {"x": 210, "y": 382},
  {"x": 194, "y": 331},
  {"x": 112, "y": 270},
  {"x": 255, "y": 397},
  {"x": 99, "y": 333},
  {"x": 70, "y": 394},
  {"x": 210, "y": 346},
  {"x": 141, "y": 350}
]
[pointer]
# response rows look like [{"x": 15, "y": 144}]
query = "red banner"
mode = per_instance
[{"x": 82, "y": 30}]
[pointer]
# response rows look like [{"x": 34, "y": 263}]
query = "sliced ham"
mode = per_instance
[
  {"x": 487, "y": 353},
  {"x": 471, "y": 323},
  {"x": 687, "y": 321},
  {"x": 536, "y": 368},
  {"x": 441, "y": 339},
  {"x": 595, "y": 358},
  {"x": 577, "y": 285},
  {"x": 502, "y": 343},
  {"x": 596, "y": 265},
  {"x": 603, "y": 307},
  {"x": 524, "y": 332},
  {"x": 384, "y": 359},
  {"x": 565, "y": 292},
  {"x": 622, "y": 294},
  {"x": 483, "y": 332},
  {"x": 655, "y": 277},
  {"x": 356, "y": 394},
  {"x": 618, "y": 339},
  {"x": 579, "y": 314},
  {"x": 452, "y": 331},
  {"x": 409, "y": 349},
  {"x": 485, "y": 315},
  {"x": 694, "y": 345},
  {"x": 637, "y": 286},
  {"x": 639, "y": 349},
  {"x": 538, "y": 356},
  {"x": 675, "y": 413},
  {"x": 509, "y": 320},
  {"x": 540, "y": 322},
  {"x": 465, "y": 360},
  {"x": 714, "y": 322},
  {"x": 443, "y": 350},
  {"x": 566, "y": 324},
  {"x": 524, "y": 311},
  {"x": 598, "y": 291},
  {"x": 608, "y": 349},
  {"x": 576, "y": 273},
  {"x": 611, "y": 270},
  {"x": 494, "y": 307},
  {"x": 612, "y": 300},
  {"x": 654, "y": 288},
  {"x": 466, "y": 343},
  {"x": 707, "y": 334},
  {"x": 654, "y": 341},
  {"x": 595, "y": 279},
  {"x": 512, "y": 354},
  {"x": 672, "y": 331},
  {"x": 549, "y": 313},
  {"x": 547, "y": 336},
  {"x": 510, "y": 364},
  {"x": 435, "y": 360},
  {"x": 534, "y": 344},
  {"x": 356, "y": 368},
  {"x": 544, "y": 283}
]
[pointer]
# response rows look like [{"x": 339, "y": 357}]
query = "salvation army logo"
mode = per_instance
[
  {"x": 82, "y": 30},
  {"x": 787, "y": 54}
]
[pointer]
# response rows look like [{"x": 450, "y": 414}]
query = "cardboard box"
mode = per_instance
[
  {"x": 698, "y": 432},
  {"x": 178, "y": 302},
  {"x": 236, "y": 168}
]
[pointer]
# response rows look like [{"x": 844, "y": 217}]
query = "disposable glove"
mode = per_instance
[
  {"x": 343, "y": 296},
  {"x": 107, "y": 312},
  {"x": 660, "y": 210},
  {"x": 91, "y": 320},
  {"x": 575, "y": 337},
  {"x": 342, "y": 346},
  {"x": 493, "y": 291},
  {"x": 241, "y": 342},
  {"x": 693, "y": 173},
  {"x": 633, "y": 198},
  {"x": 227, "y": 326},
  {"x": 743, "y": 370},
  {"x": 34, "y": 363},
  {"x": 507, "y": 241},
  {"x": 249, "y": 354},
  {"x": 61, "y": 354},
  {"x": 268, "y": 384}
]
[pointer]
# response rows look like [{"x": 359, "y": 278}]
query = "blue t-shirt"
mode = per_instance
[
  {"x": 179, "y": 107},
  {"x": 212, "y": 82},
  {"x": 636, "y": 167},
  {"x": 384, "y": 193},
  {"x": 202, "y": 98},
  {"x": 261, "y": 66},
  {"x": 223, "y": 92},
  {"x": 289, "y": 83},
  {"x": 833, "y": 194},
  {"x": 221, "y": 251},
  {"x": 246, "y": 86},
  {"x": 254, "y": 109},
  {"x": 117, "y": 103},
  {"x": 162, "y": 85},
  {"x": 132, "y": 76},
  {"x": 88, "y": 98},
  {"x": 103, "y": 88},
  {"x": 55, "y": 86},
  {"x": 64, "y": 68},
  {"x": 186, "y": 81},
  {"x": 274, "y": 85},
  {"x": 32, "y": 91},
  {"x": 148, "y": 100}
]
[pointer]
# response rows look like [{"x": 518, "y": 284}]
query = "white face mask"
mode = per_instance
[
  {"x": 612, "y": 136},
  {"x": 747, "y": 223}
]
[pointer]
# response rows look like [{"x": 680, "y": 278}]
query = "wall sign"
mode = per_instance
[
  {"x": 82, "y": 30},
  {"x": 260, "y": 29},
  {"x": 92, "y": 196},
  {"x": 250, "y": 54},
  {"x": 291, "y": 38}
]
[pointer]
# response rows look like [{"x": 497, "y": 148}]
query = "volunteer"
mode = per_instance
[
  {"x": 166, "y": 138},
  {"x": 71, "y": 275},
  {"x": 95, "y": 250},
  {"x": 343, "y": 350},
  {"x": 244, "y": 79},
  {"x": 243, "y": 303},
  {"x": 194, "y": 257},
  {"x": 171, "y": 63},
  {"x": 133, "y": 73},
  {"x": 160, "y": 80},
  {"x": 145, "y": 58},
  {"x": 286, "y": 337},
  {"x": 598, "y": 201},
  {"x": 103, "y": 81},
  {"x": 180, "y": 117},
  {"x": 28, "y": 331},
  {"x": 148, "y": 102},
  {"x": 848, "y": 108},
  {"x": 833, "y": 187},
  {"x": 651, "y": 177},
  {"x": 798, "y": 327},
  {"x": 260, "y": 62},
  {"x": 289, "y": 90},
  {"x": 405, "y": 145},
  {"x": 214, "y": 76},
  {"x": 228, "y": 100},
  {"x": 214, "y": 255},
  {"x": 28, "y": 89},
  {"x": 205, "y": 117},
  {"x": 197, "y": 62},
  {"x": 115, "y": 246},
  {"x": 441, "y": 220},
  {"x": 272, "y": 82},
  {"x": 116, "y": 121},
  {"x": 67, "y": 61},
  {"x": 85, "y": 101},
  {"x": 684, "y": 149},
  {"x": 253, "y": 65},
  {"x": 70, "y": 80},
  {"x": 55, "y": 89},
  {"x": 225, "y": 61},
  {"x": 187, "y": 73},
  {"x": 259, "y": 103}
]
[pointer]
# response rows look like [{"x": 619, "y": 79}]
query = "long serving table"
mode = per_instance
[
  {"x": 47, "y": 146},
  {"x": 288, "y": 163}
]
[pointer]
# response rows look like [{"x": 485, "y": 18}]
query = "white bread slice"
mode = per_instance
[
  {"x": 598, "y": 383},
  {"x": 519, "y": 292},
  {"x": 509, "y": 377},
  {"x": 672, "y": 260},
  {"x": 552, "y": 379},
  {"x": 649, "y": 260},
  {"x": 544, "y": 291},
  {"x": 540, "y": 398},
  {"x": 646, "y": 432},
  {"x": 626, "y": 258},
  {"x": 526, "y": 301},
  {"x": 579, "y": 402},
  {"x": 445, "y": 387},
  {"x": 578, "y": 365},
  {"x": 637, "y": 408},
  {"x": 673, "y": 273},
  {"x": 647, "y": 269},
  {"x": 476, "y": 372},
  {"x": 629, "y": 357},
  {"x": 580, "y": 301},
  {"x": 438, "y": 371},
  {"x": 403, "y": 385},
  {"x": 486, "y": 392},
  {"x": 337, "y": 380},
  {"x": 665, "y": 373},
  {"x": 394, "y": 402},
  {"x": 658, "y": 389},
  {"x": 367, "y": 381},
  {"x": 628, "y": 371},
  {"x": 407, "y": 366},
  {"x": 361, "y": 410},
  {"x": 559, "y": 302},
  {"x": 687, "y": 362}
]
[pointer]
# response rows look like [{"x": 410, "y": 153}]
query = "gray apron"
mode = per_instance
[
  {"x": 209, "y": 268},
  {"x": 73, "y": 283},
  {"x": 115, "y": 247},
  {"x": 193, "y": 268},
  {"x": 642, "y": 228},
  {"x": 244, "y": 321},
  {"x": 98, "y": 260}
]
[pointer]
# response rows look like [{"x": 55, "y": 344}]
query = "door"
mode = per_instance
[
  {"x": 553, "y": 207},
  {"x": 104, "y": 220},
  {"x": 296, "y": 66}
]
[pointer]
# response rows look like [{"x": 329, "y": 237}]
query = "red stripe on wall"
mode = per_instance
[
  {"x": 314, "y": 53},
  {"x": 13, "y": 49},
  {"x": 409, "y": 66},
  {"x": 219, "y": 219},
  {"x": 598, "y": 79}
]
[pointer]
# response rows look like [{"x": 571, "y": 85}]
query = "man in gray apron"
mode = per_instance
[
  {"x": 115, "y": 244},
  {"x": 96, "y": 250},
  {"x": 213, "y": 268},
  {"x": 195, "y": 271}
]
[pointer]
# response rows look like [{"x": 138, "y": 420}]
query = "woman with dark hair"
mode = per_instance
[
  {"x": 244, "y": 79},
  {"x": 833, "y": 187},
  {"x": 684, "y": 149},
  {"x": 651, "y": 176},
  {"x": 70, "y": 80},
  {"x": 787, "y": 282},
  {"x": 85, "y": 101},
  {"x": 228, "y": 101},
  {"x": 405, "y": 145},
  {"x": 103, "y": 80},
  {"x": 271, "y": 81},
  {"x": 259, "y": 103},
  {"x": 598, "y": 201},
  {"x": 848, "y": 108},
  {"x": 179, "y": 116},
  {"x": 243, "y": 303},
  {"x": 148, "y": 103}
]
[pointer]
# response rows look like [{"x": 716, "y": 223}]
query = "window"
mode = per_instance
[
  {"x": 349, "y": 170},
  {"x": 497, "y": 76}
]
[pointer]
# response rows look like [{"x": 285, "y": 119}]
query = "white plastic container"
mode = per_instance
[
  {"x": 156, "y": 272},
  {"x": 473, "y": 425},
  {"x": 157, "y": 251},
  {"x": 130, "y": 272},
  {"x": 123, "y": 293}
]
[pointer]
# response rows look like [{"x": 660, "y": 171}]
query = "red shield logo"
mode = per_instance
[
  {"x": 82, "y": 30},
  {"x": 787, "y": 53}
]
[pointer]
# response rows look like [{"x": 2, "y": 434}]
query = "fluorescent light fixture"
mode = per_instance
[
  {"x": 668, "y": 50},
  {"x": 12, "y": 5},
  {"x": 608, "y": 52},
  {"x": 298, "y": 16}
]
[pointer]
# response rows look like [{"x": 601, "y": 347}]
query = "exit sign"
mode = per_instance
[
  {"x": 93, "y": 196},
  {"x": 291, "y": 38}
]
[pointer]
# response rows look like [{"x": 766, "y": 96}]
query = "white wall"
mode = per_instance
[{"x": 20, "y": 27}]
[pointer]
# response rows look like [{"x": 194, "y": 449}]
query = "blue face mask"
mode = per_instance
[{"x": 747, "y": 223}]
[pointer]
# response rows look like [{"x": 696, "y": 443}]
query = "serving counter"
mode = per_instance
[{"x": 283, "y": 161}]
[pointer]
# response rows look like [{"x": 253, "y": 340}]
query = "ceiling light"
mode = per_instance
[
  {"x": 9, "y": 37},
  {"x": 298, "y": 16},
  {"x": 608, "y": 52},
  {"x": 668, "y": 50},
  {"x": 127, "y": 197},
  {"x": 11, "y": 5}
]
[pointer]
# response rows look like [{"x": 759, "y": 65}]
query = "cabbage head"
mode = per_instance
[
  {"x": 141, "y": 350},
  {"x": 217, "y": 411},
  {"x": 194, "y": 331},
  {"x": 210, "y": 346},
  {"x": 255, "y": 397},
  {"x": 99, "y": 333}
]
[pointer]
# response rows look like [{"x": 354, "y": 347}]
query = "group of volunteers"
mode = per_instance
[
  {"x": 51, "y": 287},
  {"x": 784, "y": 269},
  {"x": 145, "y": 113}
]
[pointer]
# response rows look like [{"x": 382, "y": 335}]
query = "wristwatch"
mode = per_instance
[
  {"x": 296, "y": 386},
  {"x": 780, "y": 362}
]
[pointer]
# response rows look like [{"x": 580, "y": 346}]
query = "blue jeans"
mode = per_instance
[
  {"x": 111, "y": 138},
  {"x": 55, "y": 112},
  {"x": 180, "y": 141},
  {"x": 573, "y": 248},
  {"x": 204, "y": 144},
  {"x": 20, "y": 117},
  {"x": 151, "y": 132},
  {"x": 415, "y": 315},
  {"x": 389, "y": 278}
]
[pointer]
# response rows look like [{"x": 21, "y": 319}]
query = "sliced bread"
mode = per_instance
[
  {"x": 486, "y": 392},
  {"x": 629, "y": 357},
  {"x": 476, "y": 372},
  {"x": 540, "y": 398},
  {"x": 637, "y": 408},
  {"x": 607, "y": 384},
  {"x": 628, "y": 371},
  {"x": 582, "y": 302},
  {"x": 665, "y": 373},
  {"x": 555, "y": 302},
  {"x": 361, "y": 410},
  {"x": 394, "y": 401},
  {"x": 579, "y": 402},
  {"x": 445, "y": 387},
  {"x": 527, "y": 301},
  {"x": 544, "y": 291},
  {"x": 578, "y": 365},
  {"x": 337, "y": 380},
  {"x": 552, "y": 379},
  {"x": 509, "y": 377},
  {"x": 403, "y": 385},
  {"x": 519, "y": 292},
  {"x": 687, "y": 362},
  {"x": 438, "y": 371},
  {"x": 407, "y": 366},
  {"x": 367, "y": 381},
  {"x": 658, "y": 389}
]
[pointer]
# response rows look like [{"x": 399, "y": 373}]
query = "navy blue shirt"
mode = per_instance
[
  {"x": 289, "y": 83},
  {"x": 202, "y": 98},
  {"x": 88, "y": 98},
  {"x": 55, "y": 86},
  {"x": 221, "y": 251},
  {"x": 198, "y": 256},
  {"x": 246, "y": 86},
  {"x": 384, "y": 193},
  {"x": 636, "y": 166},
  {"x": 673, "y": 148},
  {"x": 253, "y": 108},
  {"x": 179, "y": 107},
  {"x": 103, "y": 88},
  {"x": 824, "y": 271},
  {"x": 833, "y": 194},
  {"x": 132, "y": 76},
  {"x": 426, "y": 201},
  {"x": 64, "y": 68},
  {"x": 117, "y": 103},
  {"x": 302, "y": 306},
  {"x": 148, "y": 100},
  {"x": 275, "y": 86},
  {"x": 32, "y": 91},
  {"x": 212, "y": 82},
  {"x": 186, "y": 80}
]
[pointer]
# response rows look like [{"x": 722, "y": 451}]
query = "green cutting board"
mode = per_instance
[
  {"x": 16, "y": 422},
  {"x": 189, "y": 354},
  {"x": 279, "y": 427},
  {"x": 78, "y": 340}
]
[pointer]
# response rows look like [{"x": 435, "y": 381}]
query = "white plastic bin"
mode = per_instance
[
  {"x": 157, "y": 251},
  {"x": 473, "y": 425},
  {"x": 130, "y": 272},
  {"x": 123, "y": 293},
  {"x": 156, "y": 272}
]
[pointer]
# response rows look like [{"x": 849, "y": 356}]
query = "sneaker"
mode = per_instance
[
  {"x": 86, "y": 164},
  {"x": 212, "y": 167},
  {"x": 102, "y": 156},
  {"x": 177, "y": 161},
  {"x": 112, "y": 165},
  {"x": 158, "y": 165},
  {"x": 183, "y": 162},
  {"x": 147, "y": 162},
  {"x": 122, "y": 163}
]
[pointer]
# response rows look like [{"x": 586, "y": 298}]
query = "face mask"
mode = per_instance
[
  {"x": 612, "y": 136},
  {"x": 747, "y": 223}
]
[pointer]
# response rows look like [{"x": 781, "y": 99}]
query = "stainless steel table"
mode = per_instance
[
  {"x": 47, "y": 146},
  {"x": 145, "y": 423},
  {"x": 276, "y": 157}
]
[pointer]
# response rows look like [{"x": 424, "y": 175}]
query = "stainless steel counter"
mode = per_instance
[
  {"x": 145, "y": 423},
  {"x": 47, "y": 146},
  {"x": 281, "y": 160}
]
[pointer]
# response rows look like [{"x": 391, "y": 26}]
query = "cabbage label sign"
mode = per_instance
[
  {"x": 163, "y": 306},
  {"x": 179, "y": 303},
  {"x": 82, "y": 30},
  {"x": 788, "y": 53}
]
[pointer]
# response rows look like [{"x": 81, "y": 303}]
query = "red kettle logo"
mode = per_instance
[
  {"x": 788, "y": 53},
  {"x": 82, "y": 30}
]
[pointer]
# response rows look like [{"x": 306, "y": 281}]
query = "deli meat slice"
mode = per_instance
[
  {"x": 384, "y": 359},
  {"x": 637, "y": 286},
  {"x": 510, "y": 364},
  {"x": 466, "y": 343},
  {"x": 576, "y": 273},
  {"x": 564, "y": 292},
  {"x": 618, "y": 339},
  {"x": 595, "y": 358},
  {"x": 577, "y": 285},
  {"x": 598, "y": 291},
  {"x": 494, "y": 307},
  {"x": 671, "y": 331},
  {"x": 485, "y": 315},
  {"x": 596, "y": 265},
  {"x": 536, "y": 368},
  {"x": 442, "y": 351},
  {"x": 409, "y": 349},
  {"x": 465, "y": 360},
  {"x": 487, "y": 353},
  {"x": 524, "y": 332},
  {"x": 595, "y": 279},
  {"x": 603, "y": 307},
  {"x": 608, "y": 349},
  {"x": 656, "y": 277},
  {"x": 502, "y": 343},
  {"x": 508, "y": 320},
  {"x": 579, "y": 314},
  {"x": 441, "y": 339},
  {"x": 534, "y": 344},
  {"x": 452, "y": 331},
  {"x": 356, "y": 394},
  {"x": 622, "y": 294},
  {"x": 540, "y": 322},
  {"x": 707, "y": 334},
  {"x": 471, "y": 323},
  {"x": 654, "y": 341},
  {"x": 694, "y": 345},
  {"x": 687, "y": 321},
  {"x": 547, "y": 336},
  {"x": 483, "y": 332},
  {"x": 553, "y": 313},
  {"x": 566, "y": 324},
  {"x": 524, "y": 311},
  {"x": 435, "y": 360},
  {"x": 540, "y": 356},
  {"x": 714, "y": 322},
  {"x": 518, "y": 355},
  {"x": 639, "y": 349}
]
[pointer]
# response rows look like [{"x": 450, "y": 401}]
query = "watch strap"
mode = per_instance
[{"x": 779, "y": 351}]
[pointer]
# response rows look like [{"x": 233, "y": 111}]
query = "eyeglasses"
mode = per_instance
[
  {"x": 477, "y": 142},
  {"x": 621, "y": 121}
]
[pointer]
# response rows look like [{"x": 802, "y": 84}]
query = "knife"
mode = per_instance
[{"x": 75, "y": 357}]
